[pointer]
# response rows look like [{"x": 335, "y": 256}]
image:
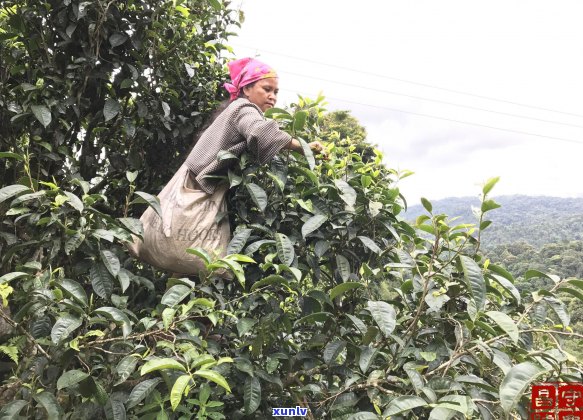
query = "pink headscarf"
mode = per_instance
[{"x": 246, "y": 71}]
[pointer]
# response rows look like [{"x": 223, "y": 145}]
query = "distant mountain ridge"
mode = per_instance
[{"x": 537, "y": 220}]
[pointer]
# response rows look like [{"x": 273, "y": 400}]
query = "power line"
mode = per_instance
[
  {"x": 452, "y": 120},
  {"x": 433, "y": 100},
  {"x": 413, "y": 82}
]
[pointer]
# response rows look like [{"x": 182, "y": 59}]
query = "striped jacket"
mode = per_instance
[{"x": 241, "y": 126}]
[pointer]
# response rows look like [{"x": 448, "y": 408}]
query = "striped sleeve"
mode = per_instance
[{"x": 264, "y": 137}]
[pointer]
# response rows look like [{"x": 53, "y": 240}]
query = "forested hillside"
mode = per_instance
[
  {"x": 534, "y": 220},
  {"x": 529, "y": 233}
]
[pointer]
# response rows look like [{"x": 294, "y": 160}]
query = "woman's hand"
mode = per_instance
[{"x": 317, "y": 147}]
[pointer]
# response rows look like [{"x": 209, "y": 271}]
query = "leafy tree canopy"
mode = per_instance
[{"x": 347, "y": 127}]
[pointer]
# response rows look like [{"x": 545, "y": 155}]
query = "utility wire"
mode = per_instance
[
  {"x": 411, "y": 82},
  {"x": 432, "y": 100},
  {"x": 452, "y": 120}
]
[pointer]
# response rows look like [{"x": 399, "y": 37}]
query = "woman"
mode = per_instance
[
  {"x": 242, "y": 126},
  {"x": 191, "y": 201}
]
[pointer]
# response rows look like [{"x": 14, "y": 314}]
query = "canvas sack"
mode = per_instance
[{"x": 188, "y": 221}]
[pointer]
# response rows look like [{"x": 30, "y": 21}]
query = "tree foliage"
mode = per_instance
[
  {"x": 344, "y": 125},
  {"x": 534, "y": 220},
  {"x": 336, "y": 304},
  {"x": 90, "y": 90}
]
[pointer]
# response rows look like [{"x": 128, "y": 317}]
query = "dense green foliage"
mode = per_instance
[
  {"x": 94, "y": 89},
  {"x": 541, "y": 233},
  {"x": 564, "y": 259},
  {"x": 336, "y": 304},
  {"x": 534, "y": 220},
  {"x": 344, "y": 125}
]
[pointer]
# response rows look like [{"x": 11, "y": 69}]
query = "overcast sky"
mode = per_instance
[{"x": 418, "y": 74}]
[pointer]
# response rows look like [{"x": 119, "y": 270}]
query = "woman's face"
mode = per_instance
[{"x": 263, "y": 93}]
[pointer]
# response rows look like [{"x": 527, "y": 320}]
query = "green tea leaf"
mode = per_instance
[
  {"x": 343, "y": 288},
  {"x": 506, "y": 323},
  {"x": 258, "y": 195},
  {"x": 321, "y": 247},
  {"x": 117, "y": 39},
  {"x": 308, "y": 154},
  {"x": 75, "y": 201},
  {"x": 64, "y": 326},
  {"x": 333, "y": 350},
  {"x": 426, "y": 204},
  {"x": 149, "y": 199},
  {"x": 74, "y": 242},
  {"x": 216, "y": 4},
  {"x": 367, "y": 355},
  {"x": 508, "y": 286},
  {"x": 70, "y": 378},
  {"x": 115, "y": 409},
  {"x": 167, "y": 317},
  {"x": 571, "y": 291},
  {"x": 285, "y": 249},
  {"x": 12, "y": 191},
  {"x": 239, "y": 240},
  {"x": 343, "y": 267},
  {"x": 404, "y": 403},
  {"x": 255, "y": 246},
  {"x": 141, "y": 391},
  {"x": 272, "y": 279},
  {"x": 124, "y": 277},
  {"x": 347, "y": 193},
  {"x": 215, "y": 377},
  {"x": 370, "y": 244},
  {"x": 280, "y": 184},
  {"x": 515, "y": 383},
  {"x": 530, "y": 274},
  {"x": 244, "y": 325},
  {"x": 11, "y": 155},
  {"x": 175, "y": 295},
  {"x": 560, "y": 309},
  {"x": 475, "y": 281},
  {"x": 49, "y": 402},
  {"x": 125, "y": 368},
  {"x": 178, "y": 390},
  {"x": 360, "y": 326},
  {"x": 490, "y": 184},
  {"x": 101, "y": 280},
  {"x": 118, "y": 316},
  {"x": 251, "y": 394},
  {"x": 312, "y": 224},
  {"x": 200, "y": 253},
  {"x": 42, "y": 113},
  {"x": 110, "y": 109},
  {"x": 384, "y": 316},
  {"x": 300, "y": 118},
  {"x": 133, "y": 225},
  {"x": 313, "y": 318},
  {"x": 111, "y": 262},
  {"x": 7, "y": 278},
  {"x": 161, "y": 363},
  {"x": 12, "y": 409},
  {"x": 489, "y": 205}
]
